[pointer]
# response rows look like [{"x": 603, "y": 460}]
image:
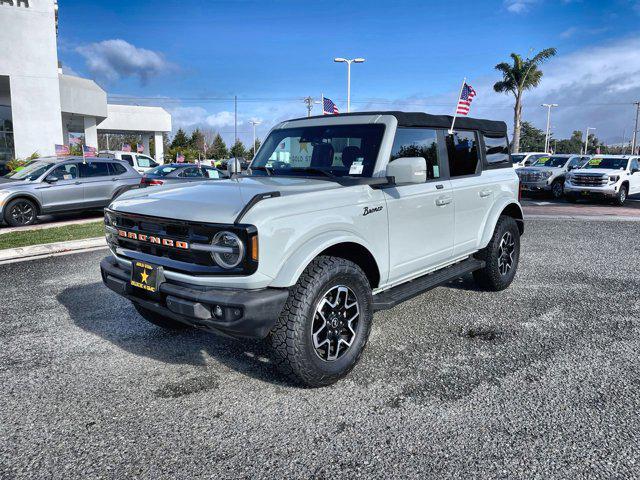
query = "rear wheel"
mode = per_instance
[
  {"x": 622, "y": 195},
  {"x": 501, "y": 256},
  {"x": 160, "y": 320},
  {"x": 325, "y": 322},
  {"x": 21, "y": 212}
]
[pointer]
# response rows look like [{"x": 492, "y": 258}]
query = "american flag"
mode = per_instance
[
  {"x": 126, "y": 147},
  {"x": 62, "y": 150},
  {"x": 328, "y": 107},
  {"x": 140, "y": 148},
  {"x": 179, "y": 158},
  {"x": 466, "y": 97},
  {"x": 74, "y": 140},
  {"x": 89, "y": 151}
]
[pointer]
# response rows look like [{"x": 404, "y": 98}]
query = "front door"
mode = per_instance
[
  {"x": 421, "y": 216},
  {"x": 634, "y": 178},
  {"x": 66, "y": 193}
]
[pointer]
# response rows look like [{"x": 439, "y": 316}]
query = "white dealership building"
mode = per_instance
[{"x": 40, "y": 106}]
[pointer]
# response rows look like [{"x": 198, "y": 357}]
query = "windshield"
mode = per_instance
[
  {"x": 551, "y": 162},
  {"x": 32, "y": 171},
  {"x": 517, "y": 158},
  {"x": 610, "y": 163},
  {"x": 161, "y": 170},
  {"x": 337, "y": 150}
]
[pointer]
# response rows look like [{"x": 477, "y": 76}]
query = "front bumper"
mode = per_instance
[
  {"x": 246, "y": 313},
  {"x": 541, "y": 186},
  {"x": 602, "y": 191}
]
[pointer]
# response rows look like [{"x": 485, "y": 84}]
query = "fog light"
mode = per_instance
[{"x": 218, "y": 311}]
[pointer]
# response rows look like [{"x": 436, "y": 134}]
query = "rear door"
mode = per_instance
[
  {"x": 97, "y": 183},
  {"x": 65, "y": 194},
  {"x": 473, "y": 190},
  {"x": 420, "y": 215}
]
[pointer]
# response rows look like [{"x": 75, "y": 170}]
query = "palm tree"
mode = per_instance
[{"x": 523, "y": 75}]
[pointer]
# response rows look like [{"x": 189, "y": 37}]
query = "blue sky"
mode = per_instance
[{"x": 189, "y": 56}]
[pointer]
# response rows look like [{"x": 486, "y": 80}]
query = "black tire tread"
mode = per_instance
[
  {"x": 487, "y": 277},
  {"x": 8, "y": 209}
]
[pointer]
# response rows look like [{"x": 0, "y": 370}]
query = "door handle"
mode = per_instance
[
  {"x": 439, "y": 186},
  {"x": 485, "y": 193},
  {"x": 114, "y": 179},
  {"x": 442, "y": 201},
  {"x": 76, "y": 183}
]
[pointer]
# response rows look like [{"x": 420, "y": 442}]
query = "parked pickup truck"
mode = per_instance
[
  {"x": 337, "y": 217},
  {"x": 549, "y": 172},
  {"x": 605, "y": 176}
]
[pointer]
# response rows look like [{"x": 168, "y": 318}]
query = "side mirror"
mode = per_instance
[
  {"x": 570, "y": 167},
  {"x": 408, "y": 170},
  {"x": 51, "y": 179},
  {"x": 634, "y": 170},
  {"x": 234, "y": 167}
]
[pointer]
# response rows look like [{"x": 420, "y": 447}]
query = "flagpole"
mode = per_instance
[{"x": 455, "y": 111}]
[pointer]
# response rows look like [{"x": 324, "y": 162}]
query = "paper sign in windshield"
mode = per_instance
[
  {"x": 595, "y": 161},
  {"x": 543, "y": 160},
  {"x": 357, "y": 167}
]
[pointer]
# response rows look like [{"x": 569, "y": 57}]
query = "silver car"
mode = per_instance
[{"x": 55, "y": 185}]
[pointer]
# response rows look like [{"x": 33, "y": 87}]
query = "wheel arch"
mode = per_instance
[
  {"x": 26, "y": 196},
  {"x": 348, "y": 247},
  {"x": 509, "y": 208}
]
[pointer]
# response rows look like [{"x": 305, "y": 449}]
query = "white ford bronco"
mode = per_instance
[
  {"x": 606, "y": 176},
  {"x": 337, "y": 217}
]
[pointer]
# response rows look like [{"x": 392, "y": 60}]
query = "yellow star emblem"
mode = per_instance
[
  {"x": 144, "y": 276},
  {"x": 303, "y": 147}
]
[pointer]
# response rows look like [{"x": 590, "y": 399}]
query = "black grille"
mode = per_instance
[{"x": 186, "y": 260}]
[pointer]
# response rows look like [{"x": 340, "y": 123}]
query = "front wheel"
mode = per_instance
[
  {"x": 21, "y": 212},
  {"x": 501, "y": 256},
  {"x": 622, "y": 196},
  {"x": 557, "y": 189},
  {"x": 324, "y": 325}
]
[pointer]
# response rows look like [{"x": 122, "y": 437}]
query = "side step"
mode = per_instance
[{"x": 392, "y": 297}]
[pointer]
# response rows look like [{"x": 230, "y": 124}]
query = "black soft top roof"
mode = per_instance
[{"x": 421, "y": 119}]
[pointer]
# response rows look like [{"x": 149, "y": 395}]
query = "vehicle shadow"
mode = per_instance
[{"x": 97, "y": 310}]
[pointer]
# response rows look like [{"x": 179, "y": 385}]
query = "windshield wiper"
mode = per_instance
[
  {"x": 314, "y": 169},
  {"x": 263, "y": 168}
]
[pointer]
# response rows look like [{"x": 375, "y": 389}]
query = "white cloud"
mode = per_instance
[
  {"x": 111, "y": 60},
  {"x": 519, "y": 6},
  {"x": 221, "y": 119}
]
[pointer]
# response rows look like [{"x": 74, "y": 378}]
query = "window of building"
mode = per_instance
[
  {"x": 463, "y": 153},
  {"x": 496, "y": 149},
  {"x": 94, "y": 169},
  {"x": 417, "y": 142}
]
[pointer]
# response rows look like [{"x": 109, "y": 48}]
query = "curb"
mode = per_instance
[{"x": 31, "y": 252}]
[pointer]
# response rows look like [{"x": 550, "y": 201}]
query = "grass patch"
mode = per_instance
[{"x": 51, "y": 235}]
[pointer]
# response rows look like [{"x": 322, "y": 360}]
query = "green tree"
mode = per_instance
[
  {"x": 250, "y": 152},
  {"x": 522, "y": 75},
  {"x": 180, "y": 139},
  {"x": 531, "y": 138},
  {"x": 197, "y": 140},
  {"x": 218, "y": 149},
  {"x": 572, "y": 145},
  {"x": 238, "y": 150}
]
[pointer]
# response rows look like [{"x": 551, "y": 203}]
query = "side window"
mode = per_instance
[
  {"x": 117, "y": 169},
  {"x": 210, "y": 172},
  {"x": 145, "y": 162},
  {"x": 94, "y": 169},
  {"x": 635, "y": 164},
  {"x": 68, "y": 171},
  {"x": 496, "y": 149},
  {"x": 191, "y": 173},
  {"x": 417, "y": 142},
  {"x": 462, "y": 150},
  {"x": 128, "y": 159}
]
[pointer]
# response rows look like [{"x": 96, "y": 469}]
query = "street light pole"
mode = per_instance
[
  {"x": 586, "y": 140},
  {"x": 546, "y": 138},
  {"x": 254, "y": 123},
  {"x": 635, "y": 129},
  {"x": 348, "y": 62}
]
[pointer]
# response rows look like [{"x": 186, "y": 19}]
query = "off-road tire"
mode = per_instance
[
  {"x": 622, "y": 195},
  {"x": 291, "y": 338},
  {"x": 22, "y": 203},
  {"x": 160, "y": 320},
  {"x": 490, "y": 277},
  {"x": 557, "y": 189}
]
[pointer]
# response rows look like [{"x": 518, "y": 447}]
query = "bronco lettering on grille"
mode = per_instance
[{"x": 142, "y": 237}]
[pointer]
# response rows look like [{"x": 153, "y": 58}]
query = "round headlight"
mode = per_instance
[{"x": 230, "y": 249}]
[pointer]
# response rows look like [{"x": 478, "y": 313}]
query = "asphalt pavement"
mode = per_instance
[{"x": 539, "y": 381}]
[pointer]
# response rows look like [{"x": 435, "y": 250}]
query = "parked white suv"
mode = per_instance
[
  {"x": 337, "y": 217},
  {"x": 548, "y": 173},
  {"x": 524, "y": 159},
  {"x": 141, "y": 163},
  {"x": 605, "y": 176}
]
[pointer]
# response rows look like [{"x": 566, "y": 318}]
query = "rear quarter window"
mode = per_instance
[{"x": 496, "y": 148}]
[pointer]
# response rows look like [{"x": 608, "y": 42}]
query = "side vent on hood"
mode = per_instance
[{"x": 256, "y": 198}]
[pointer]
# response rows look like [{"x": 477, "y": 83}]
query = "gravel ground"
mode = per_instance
[{"x": 539, "y": 381}]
